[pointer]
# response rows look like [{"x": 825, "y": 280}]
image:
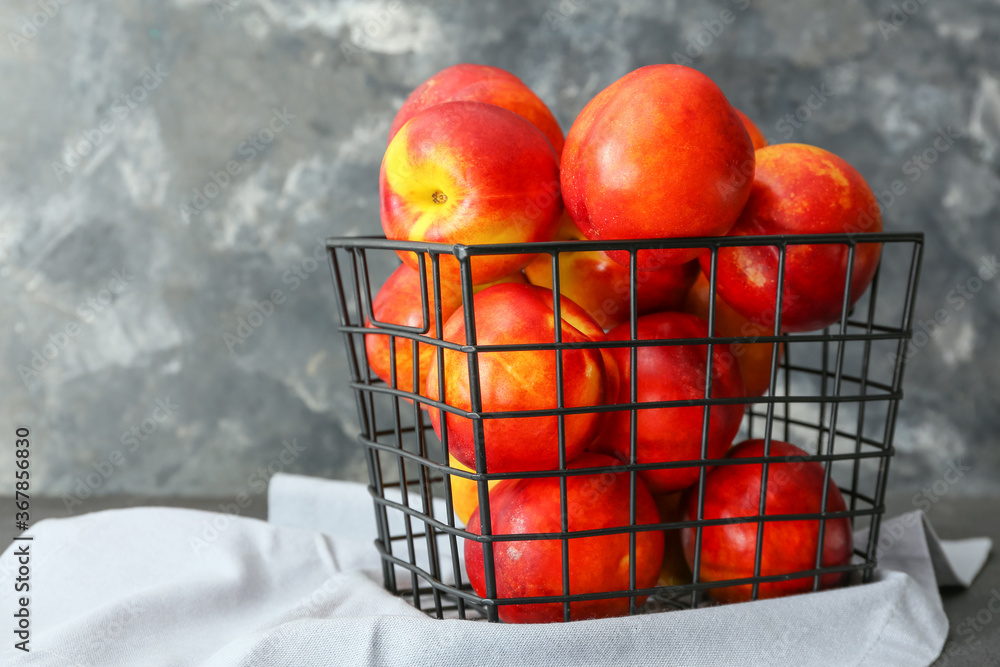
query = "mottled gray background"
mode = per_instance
[{"x": 342, "y": 69}]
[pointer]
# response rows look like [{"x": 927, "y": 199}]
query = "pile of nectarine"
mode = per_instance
[{"x": 565, "y": 382}]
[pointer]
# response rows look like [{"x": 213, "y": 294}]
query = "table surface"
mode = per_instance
[{"x": 952, "y": 518}]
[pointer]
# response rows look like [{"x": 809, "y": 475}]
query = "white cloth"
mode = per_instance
[{"x": 137, "y": 587}]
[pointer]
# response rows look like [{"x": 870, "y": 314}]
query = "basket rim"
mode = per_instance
[{"x": 461, "y": 250}]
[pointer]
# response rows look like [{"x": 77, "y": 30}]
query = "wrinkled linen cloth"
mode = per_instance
[{"x": 167, "y": 586}]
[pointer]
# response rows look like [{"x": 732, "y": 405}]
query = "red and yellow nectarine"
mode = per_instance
[
  {"x": 795, "y": 487},
  {"x": 511, "y": 314},
  {"x": 658, "y": 153},
  {"x": 596, "y": 564},
  {"x": 800, "y": 189},
  {"x": 601, "y": 285},
  {"x": 470, "y": 172}
]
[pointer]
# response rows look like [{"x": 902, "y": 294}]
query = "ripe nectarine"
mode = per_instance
[
  {"x": 672, "y": 373},
  {"x": 800, "y": 189},
  {"x": 658, "y": 153},
  {"x": 754, "y": 358},
  {"x": 470, "y": 172},
  {"x": 511, "y": 314},
  {"x": 795, "y": 487},
  {"x": 480, "y": 83},
  {"x": 597, "y": 564}
]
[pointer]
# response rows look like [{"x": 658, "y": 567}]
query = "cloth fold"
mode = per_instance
[{"x": 165, "y": 586}]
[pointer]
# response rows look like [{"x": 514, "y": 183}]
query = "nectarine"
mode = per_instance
[
  {"x": 480, "y": 83},
  {"x": 800, "y": 189},
  {"x": 795, "y": 487},
  {"x": 672, "y": 373},
  {"x": 658, "y": 153},
  {"x": 597, "y": 564},
  {"x": 511, "y": 314},
  {"x": 470, "y": 172},
  {"x": 601, "y": 285},
  {"x": 754, "y": 358}
]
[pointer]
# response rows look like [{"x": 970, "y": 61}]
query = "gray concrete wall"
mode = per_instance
[{"x": 148, "y": 342}]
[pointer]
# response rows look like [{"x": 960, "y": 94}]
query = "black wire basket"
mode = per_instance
[{"x": 833, "y": 392}]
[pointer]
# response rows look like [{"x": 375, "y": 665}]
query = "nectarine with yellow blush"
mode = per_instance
[
  {"x": 511, "y": 314},
  {"x": 800, "y": 189},
  {"x": 470, "y": 173}
]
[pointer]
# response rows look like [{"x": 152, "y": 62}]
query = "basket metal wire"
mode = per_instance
[{"x": 836, "y": 391}]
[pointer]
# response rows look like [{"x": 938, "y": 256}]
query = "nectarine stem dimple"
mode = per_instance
[{"x": 439, "y": 197}]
